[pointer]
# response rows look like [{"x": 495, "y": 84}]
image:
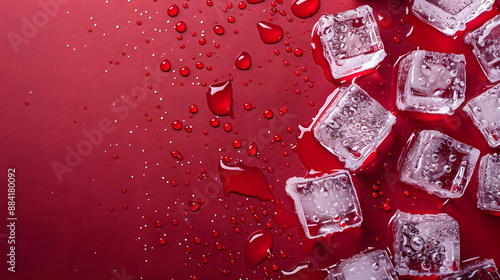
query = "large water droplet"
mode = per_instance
[
  {"x": 269, "y": 33},
  {"x": 245, "y": 180},
  {"x": 258, "y": 246},
  {"x": 305, "y": 8},
  {"x": 243, "y": 61},
  {"x": 220, "y": 98}
]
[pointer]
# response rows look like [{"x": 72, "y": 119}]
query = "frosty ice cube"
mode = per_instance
[
  {"x": 371, "y": 265},
  {"x": 427, "y": 244},
  {"x": 431, "y": 82},
  {"x": 449, "y": 16},
  {"x": 488, "y": 186},
  {"x": 353, "y": 125},
  {"x": 480, "y": 270},
  {"x": 351, "y": 41},
  {"x": 484, "y": 110},
  {"x": 438, "y": 164},
  {"x": 485, "y": 42},
  {"x": 326, "y": 204}
]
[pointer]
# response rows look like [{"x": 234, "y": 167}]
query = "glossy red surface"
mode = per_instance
[{"x": 92, "y": 133}]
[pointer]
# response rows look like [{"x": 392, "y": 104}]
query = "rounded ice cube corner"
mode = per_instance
[
  {"x": 352, "y": 125},
  {"x": 488, "y": 185},
  {"x": 327, "y": 204},
  {"x": 449, "y": 17},
  {"x": 425, "y": 244},
  {"x": 436, "y": 163},
  {"x": 431, "y": 82},
  {"x": 351, "y": 41}
]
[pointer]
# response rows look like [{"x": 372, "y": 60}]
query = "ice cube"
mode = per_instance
[
  {"x": 488, "y": 187},
  {"x": 480, "y": 270},
  {"x": 484, "y": 110},
  {"x": 364, "y": 266},
  {"x": 485, "y": 42},
  {"x": 326, "y": 204},
  {"x": 449, "y": 16},
  {"x": 438, "y": 164},
  {"x": 353, "y": 125},
  {"x": 425, "y": 244},
  {"x": 351, "y": 41},
  {"x": 431, "y": 82}
]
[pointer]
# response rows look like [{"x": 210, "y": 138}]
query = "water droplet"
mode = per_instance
[
  {"x": 244, "y": 180},
  {"x": 173, "y": 10},
  {"x": 252, "y": 149},
  {"x": 254, "y": 1},
  {"x": 177, "y": 125},
  {"x": 305, "y": 8},
  {"x": 184, "y": 71},
  {"x": 269, "y": 33},
  {"x": 258, "y": 247},
  {"x": 268, "y": 114},
  {"x": 165, "y": 65},
  {"x": 384, "y": 20},
  {"x": 194, "y": 205},
  {"x": 243, "y": 62},
  {"x": 218, "y": 29},
  {"x": 193, "y": 109},
  {"x": 180, "y": 26},
  {"x": 220, "y": 98},
  {"x": 386, "y": 206},
  {"x": 162, "y": 241}
]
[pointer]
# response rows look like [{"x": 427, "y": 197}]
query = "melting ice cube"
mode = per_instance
[
  {"x": 427, "y": 244},
  {"x": 488, "y": 186},
  {"x": 480, "y": 270},
  {"x": 485, "y": 42},
  {"x": 431, "y": 82},
  {"x": 326, "y": 204},
  {"x": 438, "y": 164},
  {"x": 449, "y": 16},
  {"x": 351, "y": 41},
  {"x": 484, "y": 110},
  {"x": 364, "y": 266},
  {"x": 353, "y": 125}
]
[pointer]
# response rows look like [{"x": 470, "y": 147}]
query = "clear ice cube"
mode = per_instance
[
  {"x": 438, "y": 164},
  {"x": 351, "y": 41},
  {"x": 326, "y": 204},
  {"x": 425, "y": 244},
  {"x": 480, "y": 270},
  {"x": 431, "y": 82},
  {"x": 485, "y": 42},
  {"x": 364, "y": 266},
  {"x": 450, "y": 16},
  {"x": 484, "y": 110},
  {"x": 353, "y": 125},
  {"x": 488, "y": 187}
]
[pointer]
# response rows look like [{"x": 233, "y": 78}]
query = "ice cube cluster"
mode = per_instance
[
  {"x": 438, "y": 164},
  {"x": 353, "y": 125},
  {"x": 449, "y": 16},
  {"x": 425, "y": 244},
  {"x": 485, "y": 42},
  {"x": 479, "y": 270},
  {"x": 488, "y": 186},
  {"x": 431, "y": 82},
  {"x": 326, "y": 204},
  {"x": 365, "y": 266},
  {"x": 484, "y": 110},
  {"x": 351, "y": 41}
]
